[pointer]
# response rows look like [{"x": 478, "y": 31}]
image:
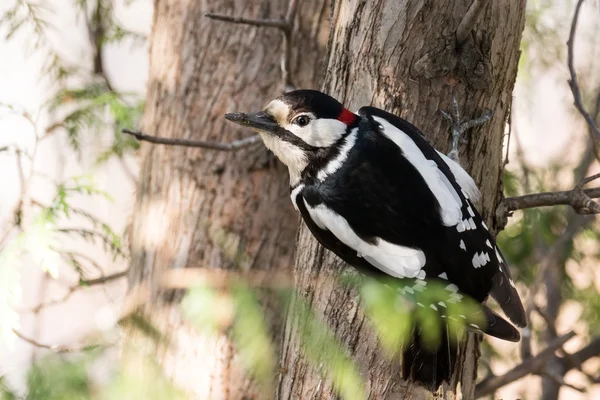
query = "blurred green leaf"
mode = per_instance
[
  {"x": 210, "y": 310},
  {"x": 325, "y": 352},
  {"x": 251, "y": 337},
  {"x": 6, "y": 393},
  {"x": 141, "y": 377},
  {"x": 55, "y": 378},
  {"x": 389, "y": 313}
]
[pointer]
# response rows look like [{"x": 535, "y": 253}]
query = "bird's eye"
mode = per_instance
[{"x": 302, "y": 120}]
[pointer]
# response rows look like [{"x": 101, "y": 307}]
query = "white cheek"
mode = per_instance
[{"x": 322, "y": 132}]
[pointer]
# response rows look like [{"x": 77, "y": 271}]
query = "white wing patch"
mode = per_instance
[
  {"x": 435, "y": 179},
  {"x": 463, "y": 178},
  {"x": 397, "y": 261}
]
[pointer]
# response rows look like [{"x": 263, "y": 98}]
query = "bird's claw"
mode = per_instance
[{"x": 458, "y": 128}]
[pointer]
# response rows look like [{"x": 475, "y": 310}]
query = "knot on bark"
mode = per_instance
[{"x": 467, "y": 62}]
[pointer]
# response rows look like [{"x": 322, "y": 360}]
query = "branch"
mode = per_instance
[
  {"x": 82, "y": 283},
  {"x": 581, "y": 356},
  {"x": 220, "y": 278},
  {"x": 560, "y": 381},
  {"x": 285, "y": 25},
  {"x": 578, "y": 198},
  {"x": 267, "y": 23},
  {"x": 103, "y": 279},
  {"x": 53, "y": 347},
  {"x": 531, "y": 365},
  {"x": 235, "y": 145},
  {"x": 594, "y": 131},
  {"x": 468, "y": 22}
]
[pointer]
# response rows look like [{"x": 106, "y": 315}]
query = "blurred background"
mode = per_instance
[{"x": 72, "y": 75}]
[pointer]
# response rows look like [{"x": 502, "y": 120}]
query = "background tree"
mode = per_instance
[{"x": 202, "y": 208}]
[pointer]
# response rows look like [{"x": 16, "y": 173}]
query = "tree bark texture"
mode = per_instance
[
  {"x": 204, "y": 208},
  {"x": 403, "y": 57}
]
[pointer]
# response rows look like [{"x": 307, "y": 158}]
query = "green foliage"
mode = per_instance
[
  {"x": 60, "y": 206},
  {"x": 240, "y": 312},
  {"x": 542, "y": 44},
  {"x": 40, "y": 240},
  {"x": 425, "y": 307},
  {"x": 88, "y": 106},
  {"x": 6, "y": 392},
  {"x": 210, "y": 310},
  {"x": 249, "y": 332},
  {"x": 390, "y": 314},
  {"x": 27, "y": 14},
  {"x": 325, "y": 351},
  {"x": 54, "y": 378},
  {"x": 66, "y": 378},
  {"x": 141, "y": 377},
  {"x": 84, "y": 108}
]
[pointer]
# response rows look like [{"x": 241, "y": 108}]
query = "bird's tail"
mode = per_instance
[
  {"x": 426, "y": 364},
  {"x": 430, "y": 364}
]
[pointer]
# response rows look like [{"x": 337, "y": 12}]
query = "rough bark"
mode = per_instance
[
  {"x": 204, "y": 208},
  {"x": 402, "y": 57}
]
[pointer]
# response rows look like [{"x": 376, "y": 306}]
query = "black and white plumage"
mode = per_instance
[{"x": 372, "y": 190}]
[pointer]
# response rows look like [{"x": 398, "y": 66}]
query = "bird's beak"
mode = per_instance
[{"x": 259, "y": 120}]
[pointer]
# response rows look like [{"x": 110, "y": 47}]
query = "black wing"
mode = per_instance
[{"x": 472, "y": 247}]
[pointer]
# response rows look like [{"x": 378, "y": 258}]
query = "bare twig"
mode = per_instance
[
  {"x": 548, "y": 319},
  {"x": 268, "y": 23},
  {"x": 595, "y": 132},
  {"x": 235, "y": 145},
  {"x": 579, "y": 357},
  {"x": 531, "y": 365},
  {"x": 189, "y": 277},
  {"x": 104, "y": 279},
  {"x": 285, "y": 25},
  {"x": 82, "y": 284},
  {"x": 578, "y": 198},
  {"x": 560, "y": 381},
  {"x": 53, "y": 347},
  {"x": 468, "y": 22}
]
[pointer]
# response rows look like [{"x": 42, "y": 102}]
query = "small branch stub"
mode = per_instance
[
  {"x": 469, "y": 20},
  {"x": 285, "y": 25}
]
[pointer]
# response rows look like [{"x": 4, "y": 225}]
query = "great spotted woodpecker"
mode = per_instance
[{"x": 372, "y": 190}]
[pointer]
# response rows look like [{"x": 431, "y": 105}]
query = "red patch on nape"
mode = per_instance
[{"x": 347, "y": 117}]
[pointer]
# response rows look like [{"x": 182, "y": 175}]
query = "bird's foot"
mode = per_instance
[{"x": 459, "y": 128}]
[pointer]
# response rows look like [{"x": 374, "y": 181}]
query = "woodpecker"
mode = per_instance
[{"x": 373, "y": 191}]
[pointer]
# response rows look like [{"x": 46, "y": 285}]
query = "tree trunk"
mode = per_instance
[
  {"x": 403, "y": 57},
  {"x": 204, "y": 208}
]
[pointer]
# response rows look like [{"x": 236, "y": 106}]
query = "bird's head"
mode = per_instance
[{"x": 299, "y": 127}]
